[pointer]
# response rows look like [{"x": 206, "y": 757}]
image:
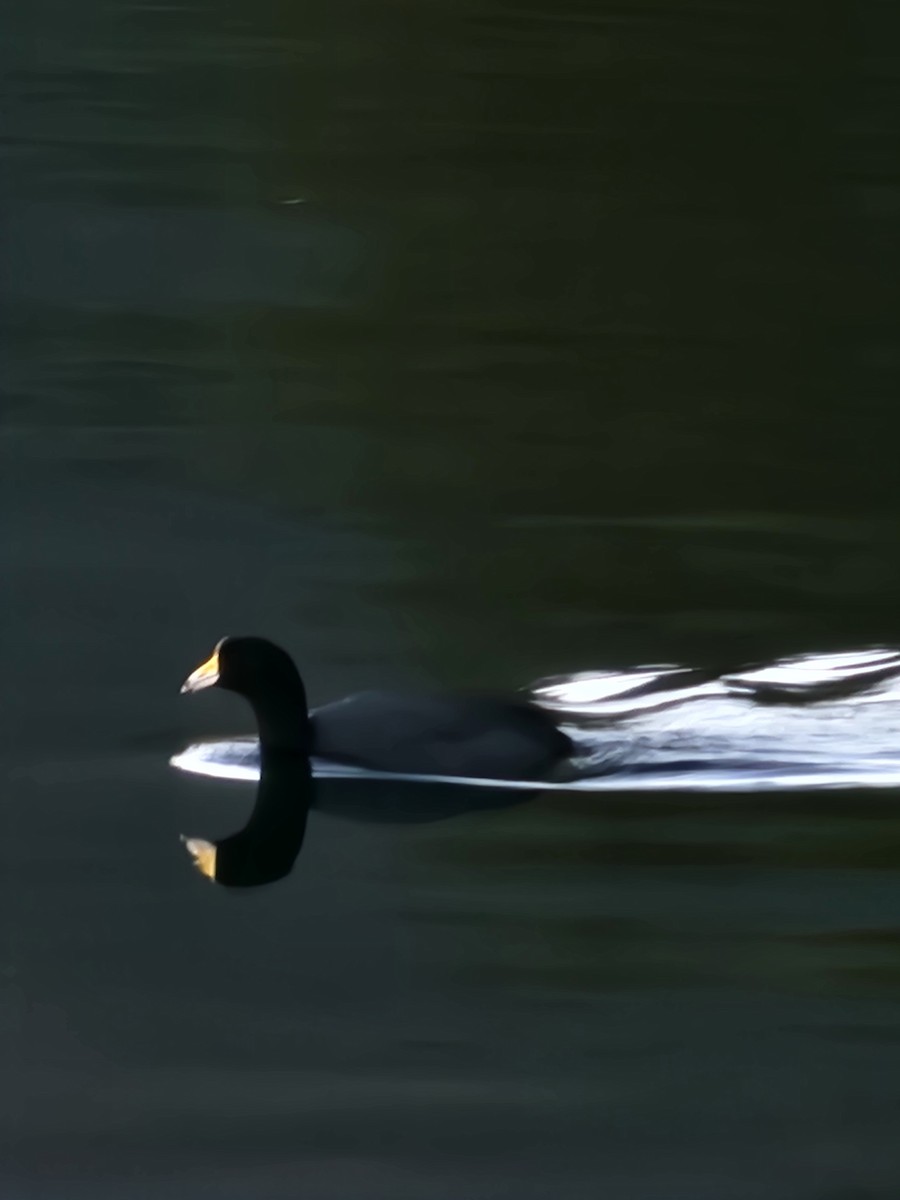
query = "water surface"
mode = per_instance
[{"x": 452, "y": 346}]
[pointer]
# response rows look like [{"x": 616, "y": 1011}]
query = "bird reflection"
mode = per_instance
[
  {"x": 266, "y": 849},
  {"x": 410, "y": 802}
]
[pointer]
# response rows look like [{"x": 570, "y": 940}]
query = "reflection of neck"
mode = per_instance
[
  {"x": 268, "y": 845},
  {"x": 282, "y": 796}
]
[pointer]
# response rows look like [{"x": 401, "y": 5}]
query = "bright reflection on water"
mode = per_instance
[{"x": 807, "y": 723}]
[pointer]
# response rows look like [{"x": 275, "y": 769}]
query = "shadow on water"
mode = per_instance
[{"x": 411, "y": 802}]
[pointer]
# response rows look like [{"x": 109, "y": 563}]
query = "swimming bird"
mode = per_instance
[
  {"x": 418, "y": 734},
  {"x": 813, "y": 722}
]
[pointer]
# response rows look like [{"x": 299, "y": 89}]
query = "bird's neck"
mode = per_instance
[{"x": 283, "y": 723}]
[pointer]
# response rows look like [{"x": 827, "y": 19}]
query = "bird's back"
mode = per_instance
[{"x": 472, "y": 736}]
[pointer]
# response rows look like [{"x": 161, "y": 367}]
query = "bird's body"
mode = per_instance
[{"x": 474, "y": 736}]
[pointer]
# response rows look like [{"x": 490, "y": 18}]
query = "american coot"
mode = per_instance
[{"x": 425, "y": 734}]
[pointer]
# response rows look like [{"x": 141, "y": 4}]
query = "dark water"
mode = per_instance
[{"x": 455, "y": 344}]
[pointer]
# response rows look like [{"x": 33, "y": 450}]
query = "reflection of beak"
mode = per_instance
[
  {"x": 206, "y": 675},
  {"x": 203, "y": 854}
]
